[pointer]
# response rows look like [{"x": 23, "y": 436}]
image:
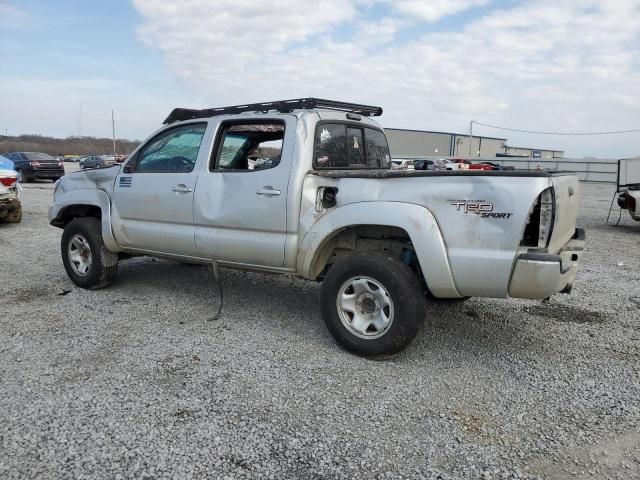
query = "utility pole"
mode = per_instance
[
  {"x": 470, "y": 137},
  {"x": 80, "y": 119},
  {"x": 113, "y": 129}
]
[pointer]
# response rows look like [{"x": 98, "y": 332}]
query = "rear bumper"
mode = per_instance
[
  {"x": 31, "y": 172},
  {"x": 540, "y": 275},
  {"x": 48, "y": 173},
  {"x": 8, "y": 206}
]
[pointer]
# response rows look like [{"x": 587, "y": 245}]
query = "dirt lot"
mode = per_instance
[{"x": 134, "y": 381}]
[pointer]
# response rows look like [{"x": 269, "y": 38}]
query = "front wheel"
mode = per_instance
[
  {"x": 87, "y": 261},
  {"x": 372, "y": 304}
]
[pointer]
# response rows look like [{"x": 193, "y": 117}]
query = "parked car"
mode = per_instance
[
  {"x": 382, "y": 241},
  {"x": 35, "y": 165},
  {"x": 630, "y": 201},
  {"x": 402, "y": 164},
  {"x": 482, "y": 166},
  {"x": 94, "y": 161},
  {"x": 628, "y": 186},
  {"x": 458, "y": 164},
  {"x": 10, "y": 206},
  {"x": 423, "y": 164},
  {"x": 121, "y": 158},
  {"x": 72, "y": 158}
]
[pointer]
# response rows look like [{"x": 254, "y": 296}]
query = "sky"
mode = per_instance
[{"x": 542, "y": 65}]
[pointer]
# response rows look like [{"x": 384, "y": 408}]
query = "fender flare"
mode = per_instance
[
  {"x": 96, "y": 198},
  {"x": 416, "y": 220}
]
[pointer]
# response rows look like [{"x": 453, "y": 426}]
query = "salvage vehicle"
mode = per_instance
[
  {"x": 35, "y": 165},
  {"x": 10, "y": 206},
  {"x": 383, "y": 242},
  {"x": 630, "y": 201},
  {"x": 628, "y": 187}
]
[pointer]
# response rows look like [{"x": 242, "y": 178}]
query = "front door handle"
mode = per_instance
[
  {"x": 268, "y": 190},
  {"x": 182, "y": 188}
]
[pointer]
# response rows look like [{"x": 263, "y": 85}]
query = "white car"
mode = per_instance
[
  {"x": 402, "y": 164},
  {"x": 10, "y": 206}
]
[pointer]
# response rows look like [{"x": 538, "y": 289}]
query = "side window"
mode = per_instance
[
  {"x": 175, "y": 150},
  {"x": 377, "y": 149},
  {"x": 331, "y": 146},
  {"x": 346, "y": 146},
  {"x": 249, "y": 146}
]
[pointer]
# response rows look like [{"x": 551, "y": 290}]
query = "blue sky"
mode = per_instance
[{"x": 435, "y": 65}]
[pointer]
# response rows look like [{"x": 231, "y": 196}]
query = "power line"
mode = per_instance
[{"x": 635, "y": 130}]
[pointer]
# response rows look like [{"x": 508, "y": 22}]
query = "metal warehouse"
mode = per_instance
[{"x": 405, "y": 143}]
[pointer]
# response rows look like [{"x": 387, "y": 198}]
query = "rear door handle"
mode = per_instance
[
  {"x": 268, "y": 190},
  {"x": 182, "y": 188}
]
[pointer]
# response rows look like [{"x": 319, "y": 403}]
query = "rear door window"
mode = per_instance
[{"x": 339, "y": 145}]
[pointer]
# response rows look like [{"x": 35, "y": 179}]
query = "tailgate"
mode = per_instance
[{"x": 567, "y": 197}]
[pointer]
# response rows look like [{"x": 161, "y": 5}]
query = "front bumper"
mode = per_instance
[{"x": 540, "y": 275}]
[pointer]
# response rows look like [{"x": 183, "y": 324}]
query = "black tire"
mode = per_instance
[
  {"x": 103, "y": 263},
  {"x": 403, "y": 288}
]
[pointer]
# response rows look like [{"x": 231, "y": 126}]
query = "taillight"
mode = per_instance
[
  {"x": 546, "y": 217},
  {"x": 540, "y": 224},
  {"x": 8, "y": 181}
]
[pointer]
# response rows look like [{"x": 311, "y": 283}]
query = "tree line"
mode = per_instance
[{"x": 65, "y": 146}]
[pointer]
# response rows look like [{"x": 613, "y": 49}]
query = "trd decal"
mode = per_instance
[{"x": 478, "y": 207}]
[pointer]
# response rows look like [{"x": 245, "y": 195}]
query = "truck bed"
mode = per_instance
[{"x": 384, "y": 173}]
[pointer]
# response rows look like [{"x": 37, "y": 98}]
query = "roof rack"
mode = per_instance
[{"x": 283, "y": 106}]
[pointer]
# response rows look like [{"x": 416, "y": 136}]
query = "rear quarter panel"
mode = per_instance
[{"x": 480, "y": 249}]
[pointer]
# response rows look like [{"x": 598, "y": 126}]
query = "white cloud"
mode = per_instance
[
  {"x": 543, "y": 65},
  {"x": 10, "y": 14},
  {"x": 434, "y": 10}
]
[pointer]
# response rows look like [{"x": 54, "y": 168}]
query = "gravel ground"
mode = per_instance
[{"x": 136, "y": 381}]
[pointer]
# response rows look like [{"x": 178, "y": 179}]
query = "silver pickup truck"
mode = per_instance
[{"x": 305, "y": 187}]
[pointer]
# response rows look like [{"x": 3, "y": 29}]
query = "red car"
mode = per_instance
[{"x": 482, "y": 166}]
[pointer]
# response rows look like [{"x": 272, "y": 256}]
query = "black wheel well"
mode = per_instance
[
  {"x": 76, "y": 211},
  {"x": 354, "y": 239}
]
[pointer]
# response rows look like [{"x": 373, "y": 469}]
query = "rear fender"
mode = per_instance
[{"x": 416, "y": 220}]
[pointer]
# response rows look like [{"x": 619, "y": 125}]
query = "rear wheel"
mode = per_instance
[
  {"x": 87, "y": 261},
  {"x": 372, "y": 304}
]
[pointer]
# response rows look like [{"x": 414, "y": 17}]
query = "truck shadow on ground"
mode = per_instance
[{"x": 289, "y": 305}]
